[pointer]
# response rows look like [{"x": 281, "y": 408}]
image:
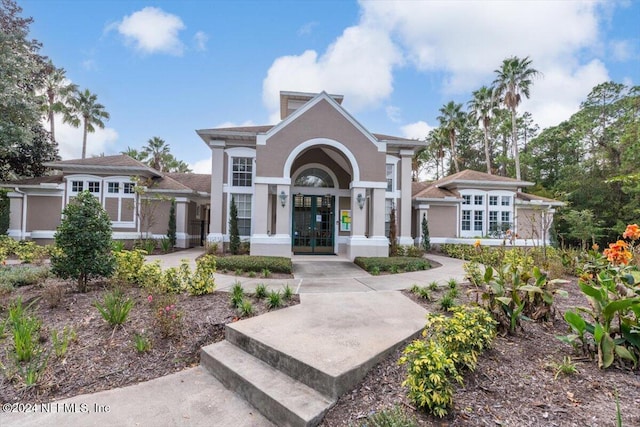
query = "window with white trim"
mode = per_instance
[
  {"x": 478, "y": 221},
  {"x": 466, "y": 220},
  {"x": 243, "y": 206},
  {"x": 506, "y": 200},
  {"x": 241, "y": 171},
  {"x": 129, "y": 188},
  {"x": 478, "y": 200},
  {"x": 391, "y": 177},
  {"x": 388, "y": 205},
  {"x": 113, "y": 187},
  {"x": 493, "y": 221},
  {"x": 77, "y": 186},
  {"x": 94, "y": 186},
  {"x": 505, "y": 217},
  {"x": 466, "y": 199},
  {"x": 493, "y": 200}
]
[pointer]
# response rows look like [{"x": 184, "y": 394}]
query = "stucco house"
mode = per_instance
[
  {"x": 36, "y": 204},
  {"x": 317, "y": 182},
  {"x": 476, "y": 205}
]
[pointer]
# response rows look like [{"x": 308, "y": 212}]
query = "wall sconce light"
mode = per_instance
[
  {"x": 283, "y": 198},
  {"x": 360, "y": 201}
]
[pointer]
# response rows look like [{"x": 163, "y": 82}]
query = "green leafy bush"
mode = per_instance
[
  {"x": 128, "y": 266},
  {"x": 151, "y": 277},
  {"x": 203, "y": 282},
  {"x": 22, "y": 275},
  {"x": 115, "y": 307},
  {"x": 274, "y": 299},
  {"x": 287, "y": 292},
  {"x": 261, "y": 291},
  {"x": 237, "y": 295},
  {"x": 390, "y": 264},
  {"x": 245, "y": 309},
  {"x": 255, "y": 263},
  {"x": 84, "y": 240},
  {"x": 452, "y": 343},
  {"x": 141, "y": 342},
  {"x": 25, "y": 329},
  {"x": 29, "y": 252},
  {"x": 168, "y": 318}
]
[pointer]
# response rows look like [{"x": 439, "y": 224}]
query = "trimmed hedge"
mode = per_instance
[
  {"x": 274, "y": 264},
  {"x": 392, "y": 264}
]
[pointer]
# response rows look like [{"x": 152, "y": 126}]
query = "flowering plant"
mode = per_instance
[
  {"x": 614, "y": 296},
  {"x": 168, "y": 319}
]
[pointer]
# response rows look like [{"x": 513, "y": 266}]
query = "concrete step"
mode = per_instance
[
  {"x": 324, "y": 382},
  {"x": 280, "y": 398}
]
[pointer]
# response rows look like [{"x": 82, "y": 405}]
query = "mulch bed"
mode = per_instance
[
  {"x": 103, "y": 357},
  {"x": 513, "y": 384}
]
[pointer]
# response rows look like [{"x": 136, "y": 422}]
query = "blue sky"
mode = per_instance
[{"x": 167, "y": 68}]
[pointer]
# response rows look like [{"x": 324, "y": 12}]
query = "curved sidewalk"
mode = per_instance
[{"x": 322, "y": 274}]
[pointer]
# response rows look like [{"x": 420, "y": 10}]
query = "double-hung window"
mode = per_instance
[
  {"x": 390, "y": 177},
  {"x": 242, "y": 171},
  {"x": 243, "y": 206}
]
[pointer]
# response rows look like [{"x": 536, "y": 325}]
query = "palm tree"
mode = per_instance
[
  {"x": 57, "y": 90},
  {"x": 84, "y": 106},
  {"x": 156, "y": 153},
  {"x": 134, "y": 154},
  {"x": 482, "y": 108},
  {"x": 175, "y": 165},
  {"x": 513, "y": 81},
  {"x": 452, "y": 117}
]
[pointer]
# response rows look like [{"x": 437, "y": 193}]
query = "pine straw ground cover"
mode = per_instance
[
  {"x": 513, "y": 384},
  {"x": 102, "y": 357}
]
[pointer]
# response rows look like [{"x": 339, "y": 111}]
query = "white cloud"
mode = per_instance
[
  {"x": 418, "y": 130},
  {"x": 201, "y": 166},
  {"x": 460, "y": 44},
  {"x": 89, "y": 65},
  {"x": 394, "y": 113},
  {"x": 69, "y": 140},
  {"x": 621, "y": 50},
  {"x": 152, "y": 30},
  {"x": 358, "y": 65},
  {"x": 307, "y": 28},
  {"x": 201, "y": 38},
  {"x": 234, "y": 124}
]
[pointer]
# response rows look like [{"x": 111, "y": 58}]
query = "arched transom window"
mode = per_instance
[{"x": 314, "y": 177}]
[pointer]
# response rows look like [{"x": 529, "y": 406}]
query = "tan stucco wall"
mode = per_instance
[
  {"x": 43, "y": 212},
  {"x": 320, "y": 121},
  {"x": 442, "y": 221},
  {"x": 529, "y": 223},
  {"x": 161, "y": 216}
]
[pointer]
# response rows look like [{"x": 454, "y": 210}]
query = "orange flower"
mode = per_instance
[
  {"x": 476, "y": 243},
  {"x": 618, "y": 253},
  {"x": 632, "y": 232},
  {"x": 595, "y": 246}
]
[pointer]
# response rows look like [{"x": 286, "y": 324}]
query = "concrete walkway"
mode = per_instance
[{"x": 193, "y": 397}]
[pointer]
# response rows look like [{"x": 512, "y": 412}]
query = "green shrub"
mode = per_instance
[
  {"x": 245, "y": 309},
  {"x": 447, "y": 301},
  {"x": 84, "y": 240},
  {"x": 115, "y": 307},
  {"x": 452, "y": 343},
  {"x": 287, "y": 292},
  {"x": 128, "y": 266},
  {"x": 261, "y": 291},
  {"x": 266, "y": 272},
  {"x": 165, "y": 245},
  {"x": 61, "y": 341},
  {"x": 141, "y": 342},
  {"x": 4, "y": 211},
  {"x": 421, "y": 292},
  {"x": 29, "y": 252},
  {"x": 392, "y": 263},
  {"x": 168, "y": 319},
  {"x": 430, "y": 372},
  {"x": 171, "y": 230},
  {"x": 237, "y": 295},
  {"x": 234, "y": 233},
  {"x": 151, "y": 277},
  {"x": 203, "y": 281},
  {"x": 22, "y": 275},
  {"x": 413, "y": 251},
  {"x": 274, "y": 299},
  {"x": 255, "y": 263},
  {"x": 25, "y": 330},
  {"x": 394, "y": 417}
]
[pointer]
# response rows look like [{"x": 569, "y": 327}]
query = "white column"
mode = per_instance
[
  {"x": 217, "y": 208},
  {"x": 359, "y": 245},
  {"x": 283, "y": 213},
  {"x": 182, "y": 225},
  {"x": 259, "y": 209},
  {"x": 378, "y": 213},
  {"x": 405, "y": 197}
]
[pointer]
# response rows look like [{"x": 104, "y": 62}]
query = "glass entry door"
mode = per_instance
[{"x": 312, "y": 228}]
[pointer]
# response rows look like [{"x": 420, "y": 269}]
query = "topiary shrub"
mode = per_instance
[
  {"x": 84, "y": 242},
  {"x": 234, "y": 233},
  {"x": 171, "y": 231},
  {"x": 4, "y": 211},
  {"x": 426, "y": 241}
]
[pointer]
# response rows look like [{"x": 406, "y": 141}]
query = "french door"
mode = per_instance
[{"x": 312, "y": 224}]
